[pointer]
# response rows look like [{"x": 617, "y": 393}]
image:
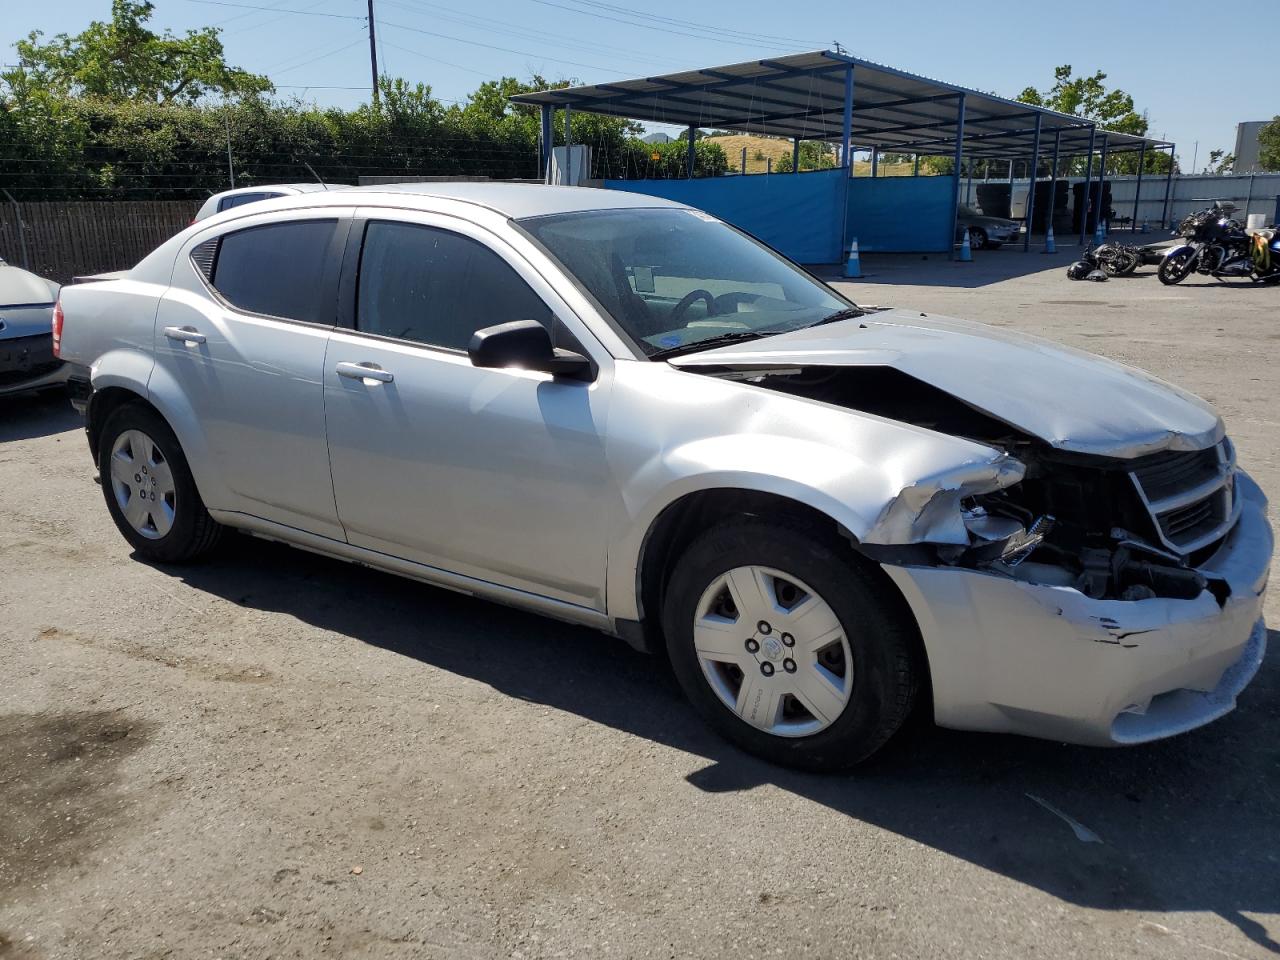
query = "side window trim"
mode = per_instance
[{"x": 333, "y": 258}]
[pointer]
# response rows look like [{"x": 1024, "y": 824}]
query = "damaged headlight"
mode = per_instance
[{"x": 1004, "y": 538}]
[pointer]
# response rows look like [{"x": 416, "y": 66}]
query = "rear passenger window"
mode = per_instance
[
  {"x": 277, "y": 269},
  {"x": 437, "y": 287},
  {"x": 240, "y": 199}
]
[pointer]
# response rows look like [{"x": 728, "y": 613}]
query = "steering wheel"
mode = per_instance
[{"x": 686, "y": 302}]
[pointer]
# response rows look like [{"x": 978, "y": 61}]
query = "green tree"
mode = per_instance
[
  {"x": 814, "y": 155},
  {"x": 1269, "y": 145},
  {"x": 122, "y": 60},
  {"x": 1088, "y": 97}
]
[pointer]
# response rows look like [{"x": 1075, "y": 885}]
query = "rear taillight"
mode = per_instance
[{"x": 57, "y": 328}]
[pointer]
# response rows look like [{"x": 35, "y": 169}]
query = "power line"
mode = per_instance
[
  {"x": 252, "y": 6},
  {"x": 716, "y": 29},
  {"x": 714, "y": 37},
  {"x": 488, "y": 75},
  {"x": 500, "y": 26},
  {"x": 477, "y": 43},
  {"x": 322, "y": 56}
]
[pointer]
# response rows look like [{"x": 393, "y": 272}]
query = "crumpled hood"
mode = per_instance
[{"x": 1070, "y": 399}]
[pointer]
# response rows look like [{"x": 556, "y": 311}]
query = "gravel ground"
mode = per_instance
[{"x": 277, "y": 755}]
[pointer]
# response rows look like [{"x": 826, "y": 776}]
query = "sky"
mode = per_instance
[{"x": 1164, "y": 56}]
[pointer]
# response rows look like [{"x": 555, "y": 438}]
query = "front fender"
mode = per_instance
[
  {"x": 874, "y": 502},
  {"x": 1179, "y": 249}
]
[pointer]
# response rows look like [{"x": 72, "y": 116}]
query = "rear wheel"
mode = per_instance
[
  {"x": 786, "y": 645},
  {"x": 149, "y": 489},
  {"x": 1175, "y": 268}
]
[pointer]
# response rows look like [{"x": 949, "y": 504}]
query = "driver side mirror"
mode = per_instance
[{"x": 525, "y": 344}]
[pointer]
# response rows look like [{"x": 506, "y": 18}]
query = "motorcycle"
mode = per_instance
[
  {"x": 1115, "y": 259},
  {"x": 1217, "y": 246}
]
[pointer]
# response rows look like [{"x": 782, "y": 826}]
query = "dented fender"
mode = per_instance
[{"x": 882, "y": 481}]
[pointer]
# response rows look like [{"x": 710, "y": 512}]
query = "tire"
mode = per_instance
[
  {"x": 1175, "y": 269},
  {"x": 822, "y": 700},
  {"x": 150, "y": 492},
  {"x": 977, "y": 238}
]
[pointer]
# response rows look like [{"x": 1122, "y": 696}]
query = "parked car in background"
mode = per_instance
[
  {"x": 26, "y": 332},
  {"x": 621, "y": 412},
  {"x": 985, "y": 233},
  {"x": 230, "y": 199}
]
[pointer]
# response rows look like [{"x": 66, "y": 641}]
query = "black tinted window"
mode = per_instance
[
  {"x": 277, "y": 269},
  {"x": 240, "y": 199},
  {"x": 436, "y": 287}
]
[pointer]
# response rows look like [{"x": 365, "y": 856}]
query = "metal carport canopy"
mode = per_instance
[{"x": 803, "y": 95}]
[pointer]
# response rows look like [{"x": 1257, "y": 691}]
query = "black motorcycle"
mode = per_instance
[{"x": 1217, "y": 246}]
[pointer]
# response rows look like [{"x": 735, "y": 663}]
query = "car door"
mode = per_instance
[
  {"x": 241, "y": 336},
  {"x": 497, "y": 474}
]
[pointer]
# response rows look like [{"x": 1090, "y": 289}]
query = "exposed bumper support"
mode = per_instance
[{"x": 1021, "y": 657}]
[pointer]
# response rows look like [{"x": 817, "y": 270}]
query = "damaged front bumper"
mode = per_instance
[{"x": 1013, "y": 655}]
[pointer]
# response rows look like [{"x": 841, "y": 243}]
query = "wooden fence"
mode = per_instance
[{"x": 66, "y": 239}]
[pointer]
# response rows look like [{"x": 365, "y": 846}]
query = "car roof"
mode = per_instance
[
  {"x": 515, "y": 200},
  {"x": 290, "y": 188}
]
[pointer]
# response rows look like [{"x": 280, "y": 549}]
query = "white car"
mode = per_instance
[
  {"x": 230, "y": 199},
  {"x": 622, "y": 412}
]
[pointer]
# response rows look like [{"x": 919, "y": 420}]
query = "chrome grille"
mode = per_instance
[{"x": 1189, "y": 495}]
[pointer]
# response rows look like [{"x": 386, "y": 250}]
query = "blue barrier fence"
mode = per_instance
[
  {"x": 801, "y": 215},
  {"x": 901, "y": 214}
]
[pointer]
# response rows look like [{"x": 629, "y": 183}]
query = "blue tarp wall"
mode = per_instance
[
  {"x": 900, "y": 214},
  {"x": 801, "y": 214}
]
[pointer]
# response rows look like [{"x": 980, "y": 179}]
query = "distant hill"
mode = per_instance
[{"x": 774, "y": 148}]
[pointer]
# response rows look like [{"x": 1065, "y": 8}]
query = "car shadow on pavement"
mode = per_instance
[
  {"x": 30, "y": 415},
  {"x": 1188, "y": 824}
]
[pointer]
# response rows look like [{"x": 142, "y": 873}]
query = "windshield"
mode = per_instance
[{"x": 671, "y": 278}]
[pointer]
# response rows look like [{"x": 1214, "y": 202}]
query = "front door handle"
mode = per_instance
[
  {"x": 364, "y": 371},
  {"x": 184, "y": 334}
]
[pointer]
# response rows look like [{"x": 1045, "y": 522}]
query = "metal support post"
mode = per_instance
[
  {"x": 1168, "y": 186},
  {"x": 795, "y": 155},
  {"x": 693, "y": 136},
  {"x": 846, "y": 135},
  {"x": 1053, "y": 181},
  {"x": 1031, "y": 189},
  {"x": 1086, "y": 195},
  {"x": 955, "y": 170},
  {"x": 548, "y": 139},
  {"x": 1102, "y": 182},
  {"x": 568, "y": 146},
  {"x": 1137, "y": 190}
]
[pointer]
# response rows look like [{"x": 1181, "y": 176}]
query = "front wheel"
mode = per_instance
[
  {"x": 977, "y": 238},
  {"x": 788, "y": 646},
  {"x": 149, "y": 489},
  {"x": 1176, "y": 268}
]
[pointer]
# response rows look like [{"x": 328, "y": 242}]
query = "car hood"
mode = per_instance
[{"x": 1070, "y": 399}]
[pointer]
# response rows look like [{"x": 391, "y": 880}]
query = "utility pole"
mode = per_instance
[{"x": 373, "y": 56}]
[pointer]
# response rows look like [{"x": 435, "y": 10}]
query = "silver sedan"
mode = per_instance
[{"x": 624, "y": 413}]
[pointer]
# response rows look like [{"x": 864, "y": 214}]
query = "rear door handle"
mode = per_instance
[
  {"x": 364, "y": 371},
  {"x": 184, "y": 334}
]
